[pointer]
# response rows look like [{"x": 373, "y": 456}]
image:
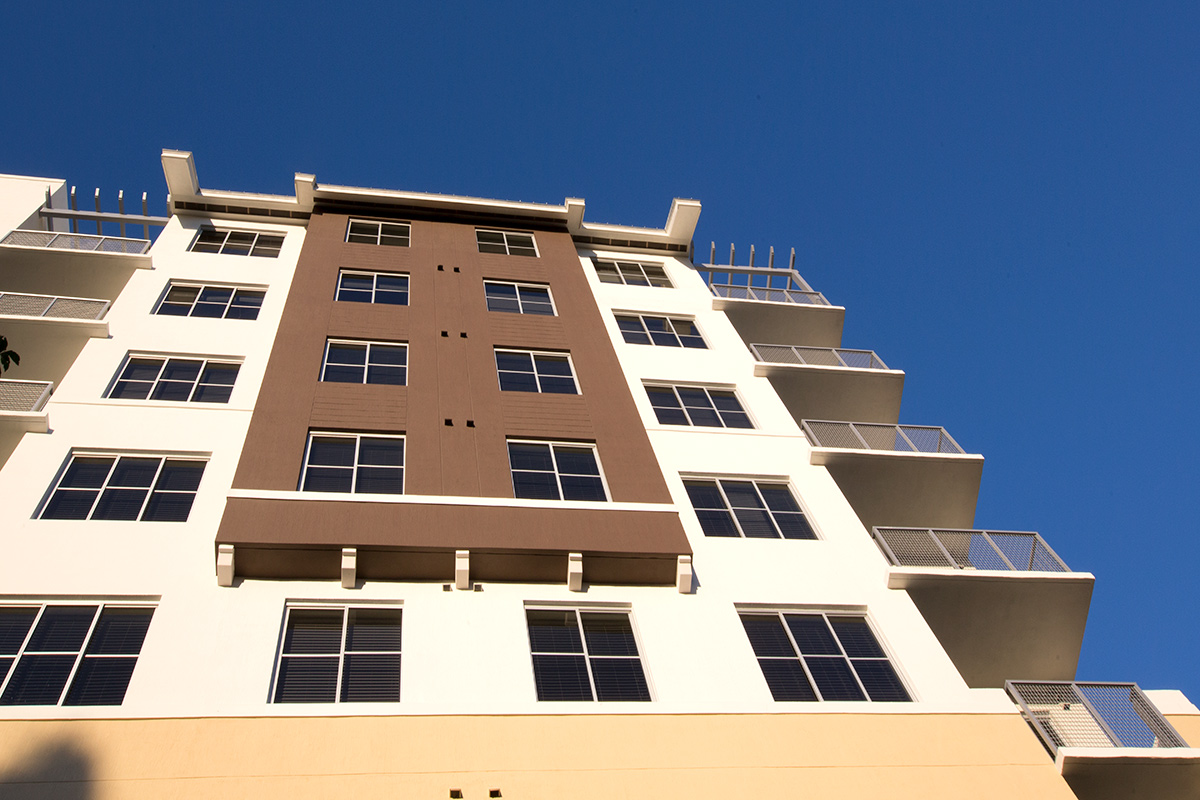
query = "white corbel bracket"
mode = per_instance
[
  {"x": 462, "y": 569},
  {"x": 224, "y": 565},
  {"x": 683, "y": 575},
  {"x": 349, "y": 567},
  {"x": 575, "y": 572}
]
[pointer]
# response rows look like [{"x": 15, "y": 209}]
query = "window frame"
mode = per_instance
[
  {"x": 508, "y": 247},
  {"x": 201, "y": 287},
  {"x": 337, "y": 289},
  {"x": 557, "y": 474},
  {"x": 518, "y": 285},
  {"x": 366, "y": 367},
  {"x": 670, "y": 320},
  {"x": 80, "y": 653},
  {"x": 345, "y": 608},
  {"x": 357, "y": 436},
  {"x": 254, "y": 244},
  {"x": 617, "y": 264},
  {"x": 707, "y": 389},
  {"x": 825, "y": 613},
  {"x": 537, "y": 376},
  {"x": 205, "y": 361},
  {"x": 579, "y": 611},
  {"x": 116, "y": 455},
  {"x": 783, "y": 482},
  {"x": 379, "y": 234}
]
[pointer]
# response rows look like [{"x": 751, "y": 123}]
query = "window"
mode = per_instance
[
  {"x": 602, "y": 663},
  {"x": 506, "y": 243},
  {"x": 631, "y": 273},
  {"x": 351, "y": 462},
  {"x": 813, "y": 656},
  {"x": 526, "y": 371},
  {"x": 365, "y": 362},
  {"x": 385, "y": 288},
  {"x": 752, "y": 509},
  {"x": 663, "y": 331},
  {"x": 228, "y": 302},
  {"x": 518, "y": 298},
  {"x": 339, "y": 655},
  {"x": 92, "y": 649},
  {"x": 146, "y": 488},
  {"x": 237, "y": 243},
  {"x": 555, "y": 471},
  {"x": 365, "y": 231},
  {"x": 696, "y": 405},
  {"x": 180, "y": 380}
]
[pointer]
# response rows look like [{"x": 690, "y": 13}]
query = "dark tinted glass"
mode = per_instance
[
  {"x": 619, "y": 679},
  {"x": 371, "y": 678},
  {"x": 778, "y": 497},
  {"x": 14, "y": 626},
  {"x": 313, "y": 631},
  {"x": 373, "y": 629},
  {"x": 881, "y": 682},
  {"x": 833, "y": 677},
  {"x": 535, "y": 485},
  {"x": 528, "y": 456},
  {"x": 553, "y": 631},
  {"x": 332, "y": 451},
  {"x": 180, "y": 476},
  {"x": 61, "y": 629},
  {"x": 307, "y": 680},
  {"x": 812, "y": 634},
  {"x": 786, "y": 680},
  {"x": 38, "y": 680},
  {"x": 120, "y": 504},
  {"x": 100, "y": 682},
  {"x": 576, "y": 460},
  {"x": 120, "y": 631},
  {"x": 631, "y": 329},
  {"x": 135, "y": 472},
  {"x": 561, "y": 678},
  {"x": 608, "y": 634},
  {"x": 86, "y": 472},
  {"x": 381, "y": 452},
  {"x": 856, "y": 637},
  {"x": 69, "y": 504},
  {"x": 168, "y": 507},
  {"x": 767, "y": 636},
  {"x": 576, "y": 487}
]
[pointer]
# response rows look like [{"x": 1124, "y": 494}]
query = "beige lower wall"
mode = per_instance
[{"x": 816, "y": 756}]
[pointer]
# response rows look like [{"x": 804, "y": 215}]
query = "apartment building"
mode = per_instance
[{"x": 409, "y": 495}]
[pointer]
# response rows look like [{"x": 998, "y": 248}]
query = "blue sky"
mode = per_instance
[{"x": 1003, "y": 195}]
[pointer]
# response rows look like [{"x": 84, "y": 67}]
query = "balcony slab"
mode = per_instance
[
  {"x": 800, "y": 324},
  {"x": 63, "y": 271},
  {"x": 1125, "y": 773},
  {"x": 813, "y": 391},
  {"x": 48, "y": 346}
]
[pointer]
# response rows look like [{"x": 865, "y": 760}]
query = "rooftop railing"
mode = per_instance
[
  {"x": 76, "y": 241},
  {"x": 769, "y": 284},
  {"x": 1070, "y": 714},
  {"x": 43, "y": 305},
  {"x": 868, "y": 436},
  {"x": 23, "y": 396},
  {"x": 817, "y": 356},
  {"x": 967, "y": 549}
]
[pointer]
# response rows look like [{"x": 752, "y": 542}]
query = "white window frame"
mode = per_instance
[
  {"x": 507, "y": 246},
  {"x": 281, "y": 235},
  {"x": 641, "y": 265},
  {"x": 557, "y": 474},
  {"x": 345, "y": 608},
  {"x": 200, "y": 288},
  {"x": 825, "y": 612},
  {"x": 81, "y": 654},
  {"x": 374, "y": 274},
  {"x": 117, "y": 456},
  {"x": 379, "y": 234},
  {"x": 357, "y": 437},
  {"x": 165, "y": 358},
  {"x": 670, "y": 318},
  {"x": 756, "y": 480},
  {"x": 370, "y": 345},
  {"x": 533, "y": 354},
  {"x": 519, "y": 285},
  {"x": 579, "y": 609},
  {"x": 707, "y": 389}
]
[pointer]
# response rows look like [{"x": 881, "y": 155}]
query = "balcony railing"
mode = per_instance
[
  {"x": 24, "y": 396},
  {"x": 76, "y": 241},
  {"x": 867, "y": 436},
  {"x": 43, "y": 305},
  {"x": 1069, "y": 714},
  {"x": 961, "y": 549},
  {"x": 817, "y": 356}
]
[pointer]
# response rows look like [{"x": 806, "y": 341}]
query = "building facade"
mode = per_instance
[{"x": 416, "y": 495}]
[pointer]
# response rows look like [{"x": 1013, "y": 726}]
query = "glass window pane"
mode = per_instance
[
  {"x": 518, "y": 382},
  {"x": 313, "y": 631},
  {"x": 535, "y": 485},
  {"x": 704, "y": 494},
  {"x": 576, "y": 460},
  {"x": 812, "y": 635},
  {"x": 123, "y": 504},
  {"x": 100, "y": 682},
  {"x": 794, "y": 526},
  {"x": 619, "y": 679},
  {"x": 183, "y": 295},
  {"x": 741, "y": 494},
  {"x": 330, "y": 451},
  {"x": 142, "y": 369},
  {"x": 70, "y": 504},
  {"x": 530, "y": 456},
  {"x": 767, "y": 636},
  {"x": 180, "y": 476},
  {"x": 756, "y": 523},
  {"x": 374, "y": 629},
  {"x": 340, "y": 353},
  {"x": 168, "y": 507},
  {"x": 381, "y": 452},
  {"x": 307, "y": 680},
  {"x": 379, "y": 480},
  {"x": 561, "y": 678},
  {"x": 553, "y": 631},
  {"x": 855, "y": 635},
  {"x": 14, "y": 626},
  {"x": 135, "y": 472},
  {"x": 717, "y": 523},
  {"x": 608, "y": 634},
  {"x": 61, "y": 629},
  {"x": 38, "y": 680},
  {"x": 834, "y": 679},
  {"x": 522, "y": 362},
  {"x": 786, "y": 680},
  {"x": 371, "y": 678},
  {"x": 881, "y": 681},
  {"x": 778, "y": 497},
  {"x": 87, "y": 472},
  {"x": 328, "y": 479},
  {"x": 576, "y": 487}
]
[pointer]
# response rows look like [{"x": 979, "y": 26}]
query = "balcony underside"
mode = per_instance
[
  {"x": 793, "y": 323},
  {"x": 996, "y": 625},
  {"x": 1124, "y": 773},
  {"x": 820, "y": 392},
  {"x": 75, "y": 273},
  {"x": 887, "y": 488},
  {"x": 48, "y": 346},
  {"x": 303, "y": 539}
]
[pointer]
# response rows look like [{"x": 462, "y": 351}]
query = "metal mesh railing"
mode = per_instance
[
  {"x": 76, "y": 241},
  {"x": 26, "y": 396},
  {"x": 44, "y": 305},
  {"x": 1070, "y": 714},
  {"x": 797, "y": 296},
  {"x": 968, "y": 549},
  {"x": 868, "y": 436},
  {"x": 817, "y": 356}
]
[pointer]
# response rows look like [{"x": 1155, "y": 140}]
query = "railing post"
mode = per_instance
[
  {"x": 861, "y": 438},
  {"x": 1103, "y": 723},
  {"x": 887, "y": 548},
  {"x": 949, "y": 558},
  {"x": 1003, "y": 557},
  {"x": 900, "y": 430},
  {"x": 1049, "y": 550}
]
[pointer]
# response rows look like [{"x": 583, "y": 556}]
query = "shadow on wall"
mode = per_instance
[{"x": 60, "y": 771}]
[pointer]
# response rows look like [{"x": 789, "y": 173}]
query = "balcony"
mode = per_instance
[
  {"x": 21, "y": 412},
  {"x": 70, "y": 263},
  {"x": 898, "y": 475},
  {"x": 1108, "y": 740},
  {"x": 821, "y": 382},
  {"x": 1001, "y": 603},
  {"x": 768, "y": 304},
  {"x": 49, "y": 331}
]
